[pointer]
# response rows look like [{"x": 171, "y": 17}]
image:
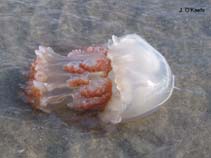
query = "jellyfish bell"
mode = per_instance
[
  {"x": 124, "y": 80},
  {"x": 142, "y": 79}
]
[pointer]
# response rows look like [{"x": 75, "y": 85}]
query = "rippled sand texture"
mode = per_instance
[{"x": 180, "y": 129}]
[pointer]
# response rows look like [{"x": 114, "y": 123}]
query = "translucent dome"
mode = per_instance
[{"x": 142, "y": 79}]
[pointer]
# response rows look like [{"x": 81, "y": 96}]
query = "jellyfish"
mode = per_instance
[{"x": 125, "y": 79}]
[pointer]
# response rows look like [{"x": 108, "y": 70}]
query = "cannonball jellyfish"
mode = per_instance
[{"x": 125, "y": 79}]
